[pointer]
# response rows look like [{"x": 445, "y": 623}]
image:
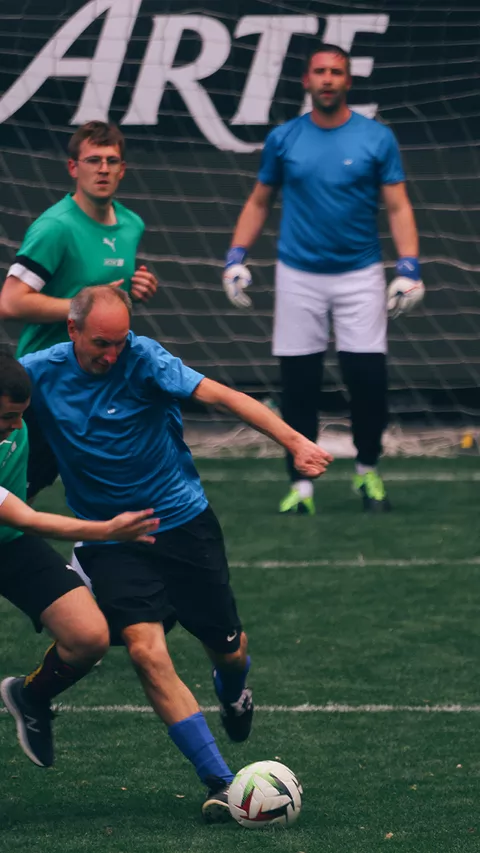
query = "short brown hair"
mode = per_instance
[
  {"x": 98, "y": 133},
  {"x": 83, "y": 302},
  {"x": 328, "y": 48}
]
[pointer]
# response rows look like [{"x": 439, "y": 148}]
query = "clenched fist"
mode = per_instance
[{"x": 310, "y": 459}]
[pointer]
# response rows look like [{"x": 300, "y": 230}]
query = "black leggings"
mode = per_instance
[{"x": 364, "y": 374}]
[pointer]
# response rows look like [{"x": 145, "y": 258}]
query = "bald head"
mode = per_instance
[
  {"x": 107, "y": 295},
  {"x": 98, "y": 325}
]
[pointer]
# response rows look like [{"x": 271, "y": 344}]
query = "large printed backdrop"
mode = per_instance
[{"x": 196, "y": 87}]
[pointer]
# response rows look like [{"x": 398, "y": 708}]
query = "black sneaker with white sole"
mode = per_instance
[
  {"x": 215, "y": 808},
  {"x": 33, "y": 720},
  {"x": 237, "y": 716}
]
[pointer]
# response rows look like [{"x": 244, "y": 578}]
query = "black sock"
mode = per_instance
[{"x": 52, "y": 677}]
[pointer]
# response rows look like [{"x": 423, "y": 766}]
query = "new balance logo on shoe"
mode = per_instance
[
  {"x": 32, "y": 724},
  {"x": 34, "y": 731}
]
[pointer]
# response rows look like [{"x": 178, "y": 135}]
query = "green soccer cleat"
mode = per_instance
[
  {"x": 372, "y": 491},
  {"x": 293, "y": 503}
]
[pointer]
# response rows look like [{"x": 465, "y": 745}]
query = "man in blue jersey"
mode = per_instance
[
  {"x": 332, "y": 166},
  {"x": 35, "y": 578},
  {"x": 109, "y": 403}
]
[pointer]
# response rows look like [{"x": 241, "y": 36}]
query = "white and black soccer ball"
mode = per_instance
[{"x": 265, "y": 794}]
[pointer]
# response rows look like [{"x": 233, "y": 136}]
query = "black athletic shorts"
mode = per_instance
[
  {"x": 33, "y": 575},
  {"x": 42, "y": 468},
  {"x": 185, "y": 570}
]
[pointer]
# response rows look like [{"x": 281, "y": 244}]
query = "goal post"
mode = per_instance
[{"x": 195, "y": 89}]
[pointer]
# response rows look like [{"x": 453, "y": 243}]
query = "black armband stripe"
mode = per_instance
[{"x": 34, "y": 267}]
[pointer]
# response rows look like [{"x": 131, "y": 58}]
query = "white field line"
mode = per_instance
[
  {"x": 357, "y": 563},
  {"x": 219, "y": 476},
  {"x": 329, "y": 708}
]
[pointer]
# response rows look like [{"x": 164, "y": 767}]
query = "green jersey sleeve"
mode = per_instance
[
  {"x": 13, "y": 474},
  {"x": 41, "y": 252}
]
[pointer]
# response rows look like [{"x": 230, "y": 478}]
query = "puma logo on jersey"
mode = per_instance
[
  {"x": 110, "y": 242},
  {"x": 347, "y": 162}
]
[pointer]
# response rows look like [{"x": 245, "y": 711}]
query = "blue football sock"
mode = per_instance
[
  {"x": 229, "y": 683},
  {"x": 193, "y": 737}
]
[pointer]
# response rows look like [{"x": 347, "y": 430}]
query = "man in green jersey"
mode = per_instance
[
  {"x": 35, "y": 578},
  {"x": 85, "y": 239}
]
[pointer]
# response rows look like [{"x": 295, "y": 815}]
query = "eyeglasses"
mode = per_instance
[{"x": 96, "y": 162}]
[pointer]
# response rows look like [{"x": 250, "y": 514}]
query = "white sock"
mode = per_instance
[
  {"x": 363, "y": 469},
  {"x": 304, "y": 488}
]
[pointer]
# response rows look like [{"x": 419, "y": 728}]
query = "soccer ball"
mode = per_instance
[{"x": 264, "y": 794}]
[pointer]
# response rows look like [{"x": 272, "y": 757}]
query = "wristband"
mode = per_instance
[
  {"x": 235, "y": 255},
  {"x": 408, "y": 268}
]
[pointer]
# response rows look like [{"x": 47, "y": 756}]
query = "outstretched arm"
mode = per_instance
[
  {"x": 128, "y": 525},
  {"x": 309, "y": 459}
]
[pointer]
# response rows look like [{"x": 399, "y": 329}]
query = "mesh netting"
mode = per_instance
[{"x": 195, "y": 89}]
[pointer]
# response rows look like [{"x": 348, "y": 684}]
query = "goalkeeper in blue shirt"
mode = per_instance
[
  {"x": 108, "y": 404},
  {"x": 332, "y": 166}
]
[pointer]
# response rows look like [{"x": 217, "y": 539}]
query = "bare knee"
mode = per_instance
[
  {"x": 78, "y": 626},
  {"x": 144, "y": 656},
  {"x": 91, "y": 643},
  {"x": 150, "y": 656}
]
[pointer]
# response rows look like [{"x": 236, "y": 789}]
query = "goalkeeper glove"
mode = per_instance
[
  {"x": 236, "y": 277},
  {"x": 407, "y": 289}
]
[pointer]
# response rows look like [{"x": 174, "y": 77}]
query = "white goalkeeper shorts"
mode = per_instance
[{"x": 306, "y": 304}]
